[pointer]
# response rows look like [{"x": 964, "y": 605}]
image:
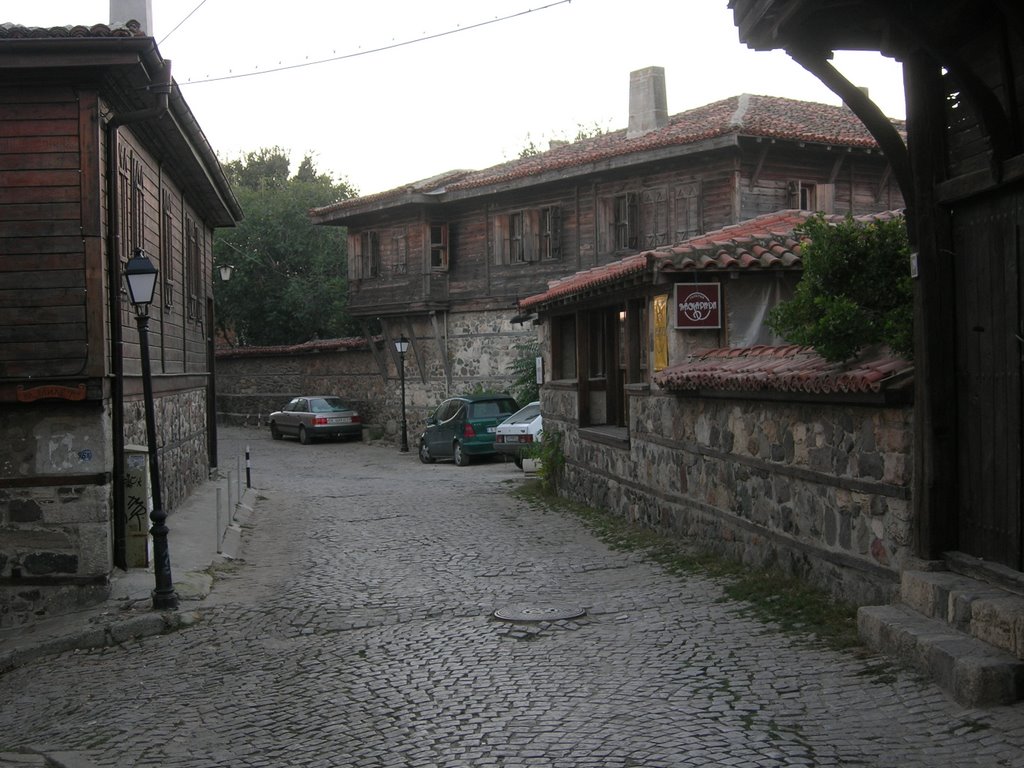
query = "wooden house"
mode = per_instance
[
  {"x": 961, "y": 171},
  {"x": 443, "y": 261},
  {"x": 99, "y": 156}
]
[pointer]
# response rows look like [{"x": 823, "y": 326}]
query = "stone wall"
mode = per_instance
[
  {"x": 55, "y": 543},
  {"x": 478, "y": 347},
  {"x": 821, "y": 490},
  {"x": 183, "y": 451},
  {"x": 56, "y": 534}
]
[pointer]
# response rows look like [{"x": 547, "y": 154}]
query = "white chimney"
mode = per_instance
[
  {"x": 648, "y": 106},
  {"x": 123, "y": 11}
]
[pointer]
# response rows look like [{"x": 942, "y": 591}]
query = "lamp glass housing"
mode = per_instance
[
  {"x": 140, "y": 274},
  {"x": 402, "y": 345}
]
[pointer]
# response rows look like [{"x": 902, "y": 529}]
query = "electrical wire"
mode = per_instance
[
  {"x": 201, "y": 4},
  {"x": 371, "y": 50}
]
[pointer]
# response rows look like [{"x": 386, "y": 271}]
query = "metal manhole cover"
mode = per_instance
[{"x": 539, "y": 612}]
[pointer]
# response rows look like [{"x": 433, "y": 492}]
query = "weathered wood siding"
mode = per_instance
[{"x": 47, "y": 262}]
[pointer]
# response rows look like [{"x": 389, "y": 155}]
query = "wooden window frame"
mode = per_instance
[
  {"x": 370, "y": 253},
  {"x": 193, "y": 265},
  {"x": 438, "y": 246}
]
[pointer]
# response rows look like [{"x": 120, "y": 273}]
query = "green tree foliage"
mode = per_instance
[
  {"x": 856, "y": 290},
  {"x": 290, "y": 278},
  {"x": 524, "y": 371}
]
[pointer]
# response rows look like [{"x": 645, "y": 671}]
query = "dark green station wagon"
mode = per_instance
[{"x": 463, "y": 427}]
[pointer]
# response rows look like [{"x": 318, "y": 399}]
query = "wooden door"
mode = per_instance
[{"x": 989, "y": 351}]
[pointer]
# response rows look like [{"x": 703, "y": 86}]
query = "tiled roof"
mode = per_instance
[
  {"x": 10, "y": 31},
  {"x": 765, "y": 242},
  {"x": 766, "y": 117},
  {"x": 787, "y": 369}
]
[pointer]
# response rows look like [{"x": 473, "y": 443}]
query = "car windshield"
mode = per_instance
[
  {"x": 327, "y": 404},
  {"x": 524, "y": 415}
]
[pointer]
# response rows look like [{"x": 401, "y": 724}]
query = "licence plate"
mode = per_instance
[
  {"x": 340, "y": 420},
  {"x": 492, "y": 430}
]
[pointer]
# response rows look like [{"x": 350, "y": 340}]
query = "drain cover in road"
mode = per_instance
[{"x": 539, "y": 612}]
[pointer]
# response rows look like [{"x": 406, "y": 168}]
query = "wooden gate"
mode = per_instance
[{"x": 989, "y": 351}]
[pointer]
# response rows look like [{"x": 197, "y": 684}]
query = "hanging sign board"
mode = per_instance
[{"x": 698, "y": 305}]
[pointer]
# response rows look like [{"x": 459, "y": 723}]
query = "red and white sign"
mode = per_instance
[{"x": 698, "y": 305}]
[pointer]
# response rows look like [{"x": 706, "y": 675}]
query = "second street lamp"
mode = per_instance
[
  {"x": 140, "y": 274},
  {"x": 402, "y": 345}
]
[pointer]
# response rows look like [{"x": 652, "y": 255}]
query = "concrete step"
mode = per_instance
[
  {"x": 982, "y": 609},
  {"x": 975, "y": 673}
]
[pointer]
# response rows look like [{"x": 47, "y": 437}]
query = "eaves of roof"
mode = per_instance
[
  {"x": 788, "y": 369},
  {"x": 705, "y": 128},
  {"x": 122, "y": 60}
]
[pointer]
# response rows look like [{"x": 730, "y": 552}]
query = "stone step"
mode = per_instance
[
  {"x": 981, "y": 609},
  {"x": 973, "y": 672}
]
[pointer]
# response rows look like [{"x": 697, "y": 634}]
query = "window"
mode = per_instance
[
  {"x": 167, "y": 247},
  {"x": 624, "y": 222},
  {"x": 399, "y": 252},
  {"x": 563, "y": 347},
  {"x": 439, "y": 246},
  {"x": 193, "y": 265},
  {"x": 654, "y": 218},
  {"x": 370, "y": 254},
  {"x": 597, "y": 337},
  {"x": 516, "y": 248},
  {"x": 527, "y": 236},
  {"x": 551, "y": 233},
  {"x": 687, "y": 211}
]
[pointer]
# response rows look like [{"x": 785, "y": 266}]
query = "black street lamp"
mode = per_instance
[
  {"x": 141, "y": 277},
  {"x": 402, "y": 345}
]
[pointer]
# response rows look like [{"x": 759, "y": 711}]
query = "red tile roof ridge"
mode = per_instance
[{"x": 786, "y": 368}]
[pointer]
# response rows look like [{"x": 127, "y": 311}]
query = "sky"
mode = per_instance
[{"x": 386, "y": 92}]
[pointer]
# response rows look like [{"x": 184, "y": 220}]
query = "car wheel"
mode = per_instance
[
  {"x": 303, "y": 436},
  {"x": 519, "y": 461},
  {"x": 425, "y": 456},
  {"x": 460, "y": 456},
  {"x": 275, "y": 432}
]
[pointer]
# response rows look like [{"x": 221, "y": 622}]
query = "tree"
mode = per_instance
[
  {"x": 290, "y": 279},
  {"x": 855, "y": 290}
]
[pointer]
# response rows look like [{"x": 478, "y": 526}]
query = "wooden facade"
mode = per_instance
[
  {"x": 99, "y": 156},
  {"x": 961, "y": 171},
  {"x": 472, "y": 242}
]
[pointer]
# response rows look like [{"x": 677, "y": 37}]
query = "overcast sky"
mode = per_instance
[{"x": 457, "y": 84}]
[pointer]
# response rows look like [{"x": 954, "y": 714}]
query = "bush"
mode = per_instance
[{"x": 856, "y": 290}]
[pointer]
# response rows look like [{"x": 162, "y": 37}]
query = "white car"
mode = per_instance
[{"x": 519, "y": 431}]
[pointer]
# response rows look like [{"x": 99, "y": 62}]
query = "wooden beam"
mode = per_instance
[
  {"x": 873, "y": 118},
  {"x": 442, "y": 349}
]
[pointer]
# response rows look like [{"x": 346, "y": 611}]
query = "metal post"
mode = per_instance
[
  {"x": 248, "y": 473},
  {"x": 164, "y": 597},
  {"x": 401, "y": 375}
]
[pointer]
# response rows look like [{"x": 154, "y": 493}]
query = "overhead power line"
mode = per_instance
[
  {"x": 368, "y": 51},
  {"x": 201, "y": 4}
]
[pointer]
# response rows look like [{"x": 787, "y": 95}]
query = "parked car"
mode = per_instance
[
  {"x": 518, "y": 432},
  {"x": 308, "y": 418},
  {"x": 463, "y": 427}
]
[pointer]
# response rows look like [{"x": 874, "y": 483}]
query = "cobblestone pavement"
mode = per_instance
[{"x": 358, "y": 631}]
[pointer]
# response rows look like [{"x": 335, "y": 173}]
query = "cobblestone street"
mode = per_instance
[{"x": 357, "y": 630}]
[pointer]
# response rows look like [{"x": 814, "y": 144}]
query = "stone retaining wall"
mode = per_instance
[{"x": 822, "y": 490}]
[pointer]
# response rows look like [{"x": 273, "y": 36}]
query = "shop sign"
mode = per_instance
[{"x": 698, "y": 305}]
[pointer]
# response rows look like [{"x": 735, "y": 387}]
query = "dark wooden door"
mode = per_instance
[{"x": 990, "y": 343}]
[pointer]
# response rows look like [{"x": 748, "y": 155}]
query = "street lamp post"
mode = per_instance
[
  {"x": 402, "y": 345},
  {"x": 140, "y": 273}
]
